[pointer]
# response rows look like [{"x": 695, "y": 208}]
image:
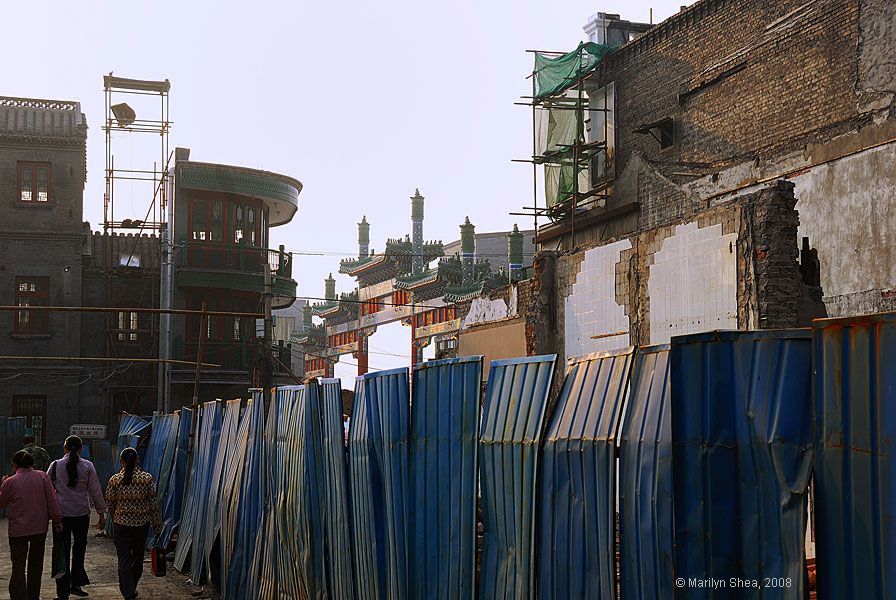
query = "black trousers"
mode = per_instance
[
  {"x": 26, "y": 550},
  {"x": 130, "y": 544},
  {"x": 76, "y": 576}
]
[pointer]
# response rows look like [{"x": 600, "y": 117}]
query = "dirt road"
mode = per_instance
[{"x": 102, "y": 570}]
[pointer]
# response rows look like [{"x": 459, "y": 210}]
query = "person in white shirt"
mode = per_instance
[{"x": 77, "y": 485}]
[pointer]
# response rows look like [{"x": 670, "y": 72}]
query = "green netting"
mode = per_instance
[
  {"x": 555, "y": 73},
  {"x": 560, "y": 184}
]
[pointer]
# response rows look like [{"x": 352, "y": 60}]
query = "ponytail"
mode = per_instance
[
  {"x": 73, "y": 444},
  {"x": 129, "y": 458}
]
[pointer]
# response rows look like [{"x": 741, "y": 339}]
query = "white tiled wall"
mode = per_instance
[
  {"x": 591, "y": 309},
  {"x": 693, "y": 283}
]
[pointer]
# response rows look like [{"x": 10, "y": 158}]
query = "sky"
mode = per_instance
[{"x": 362, "y": 102}]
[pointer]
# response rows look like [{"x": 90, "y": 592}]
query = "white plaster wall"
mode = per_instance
[
  {"x": 693, "y": 283},
  {"x": 591, "y": 308},
  {"x": 484, "y": 310},
  {"x": 848, "y": 211}
]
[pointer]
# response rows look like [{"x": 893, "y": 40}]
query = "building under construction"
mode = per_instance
[{"x": 125, "y": 328}]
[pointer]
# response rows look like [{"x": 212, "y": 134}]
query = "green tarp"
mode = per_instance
[{"x": 556, "y": 73}]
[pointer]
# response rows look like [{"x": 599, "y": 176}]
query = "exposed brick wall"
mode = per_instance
[
  {"x": 756, "y": 80},
  {"x": 773, "y": 222}
]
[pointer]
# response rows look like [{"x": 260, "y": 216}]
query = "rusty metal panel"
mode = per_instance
[
  {"x": 855, "y": 472},
  {"x": 645, "y": 481},
  {"x": 577, "y": 498},
  {"x": 442, "y": 502},
  {"x": 378, "y": 462},
  {"x": 513, "y": 413},
  {"x": 742, "y": 456}
]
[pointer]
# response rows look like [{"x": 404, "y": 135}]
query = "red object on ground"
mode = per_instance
[{"x": 158, "y": 562}]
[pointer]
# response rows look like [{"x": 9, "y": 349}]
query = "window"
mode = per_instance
[
  {"x": 602, "y": 128},
  {"x": 129, "y": 260},
  {"x": 236, "y": 219},
  {"x": 34, "y": 182},
  {"x": 216, "y": 233},
  {"x": 34, "y": 409},
  {"x": 198, "y": 217},
  {"x": 32, "y": 291},
  {"x": 127, "y": 326}
]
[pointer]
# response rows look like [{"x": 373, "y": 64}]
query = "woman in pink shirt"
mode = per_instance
[
  {"x": 76, "y": 486},
  {"x": 32, "y": 504}
]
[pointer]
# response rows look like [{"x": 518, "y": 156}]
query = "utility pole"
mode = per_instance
[
  {"x": 203, "y": 326},
  {"x": 267, "y": 349}
]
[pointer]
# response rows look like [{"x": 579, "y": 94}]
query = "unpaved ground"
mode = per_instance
[{"x": 102, "y": 568}]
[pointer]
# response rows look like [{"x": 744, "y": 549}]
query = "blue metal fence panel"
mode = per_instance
[
  {"x": 742, "y": 455},
  {"x": 172, "y": 502},
  {"x": 577, "y": 498},
  {"x": 513, "y": 413},
  {"x": 244, "y": 513},
  {"x": 855, "y": 471},
  {"x": 291, "y": 581},
  {"x": 159, "y": 455},
  {"x": 442, "y": 499},
  {"x": 130, "y": 429},
  {"x": 267, "y": 547},
  {"x": 365, "y": 494},
  {"x": 378, "y": 459},
  {"x": 103, "y": 461},
  {"x": 387, "y": 392},
  {"x": 211, "y": 558},
  {"x": 192, "y": 528},
  {"x": 645, "y": 481},
  {"x": 335, "y": 491}
]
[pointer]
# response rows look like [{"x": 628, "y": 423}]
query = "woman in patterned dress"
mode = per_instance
[{"x": 130, "y": 497}]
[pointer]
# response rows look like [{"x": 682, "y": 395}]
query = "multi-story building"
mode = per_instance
[
  {"x": 734, "y": 171},
  {"x": 61, "y": 367},
  {"x": 42, "y": 174},
  {"x": 219, "y": 223}
]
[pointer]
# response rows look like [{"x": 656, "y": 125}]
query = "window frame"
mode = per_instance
[
  {"x": 35, "y": 167},
  {"x": 41, "y": 431},
  {"x": 39, "y": 321},
  {"x": 128, "y": 326}
]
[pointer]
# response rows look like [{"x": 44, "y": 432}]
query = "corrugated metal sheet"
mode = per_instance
[
  {"x": 513, "y": 413},
  {"x": 159, "y": 453},
  {"x": 378, "y": 460},
  {"x": 742, "y": 454},
  {"x": 335, "y": 491},
  {"x": 855, "y": 471},
  {"x": 577, "y": 486},
  {"x": 442, "y": 502},
  {"x": 365, "y": 475},
  {"x": 645, "y": 480},
  {"x": 174, "y": 492},
  {"x": 210, "y": 560},
  {"x": 130, "y": 428},
  {"x": 265, "y": 569},
  {"x": 193, "y": 526},
  {"x": 387, "y": 392},
  {"x": 244, "y": 511}
]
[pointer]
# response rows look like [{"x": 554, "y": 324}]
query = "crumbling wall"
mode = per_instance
[{"x": 733, "y": 266}]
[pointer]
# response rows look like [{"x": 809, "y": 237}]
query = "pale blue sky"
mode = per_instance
[{"x": 361, "y": 101}]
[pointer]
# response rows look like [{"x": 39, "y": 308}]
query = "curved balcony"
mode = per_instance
[
  {"x": 237, "y": 267},
  {"x": 279, "y": 192}
]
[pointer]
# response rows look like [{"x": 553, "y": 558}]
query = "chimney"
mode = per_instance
[
  {"x": 363, "y": 237},
  {"x": 515, "y": 253},
  {"x": 417, "y": 231},
  {"x": 468, "y": 251},
  {"x": 330, "y": 288}
]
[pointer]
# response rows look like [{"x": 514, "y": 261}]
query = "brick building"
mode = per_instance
[
  {"x": 746, "y": 180},
  {"x": 49, "y": 257},
  {"x": 42, "y": 175}
]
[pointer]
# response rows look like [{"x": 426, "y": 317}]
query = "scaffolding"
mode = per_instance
[
  {"x": 145, "y": 176},
  {"x": 572, "y": 135}
]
